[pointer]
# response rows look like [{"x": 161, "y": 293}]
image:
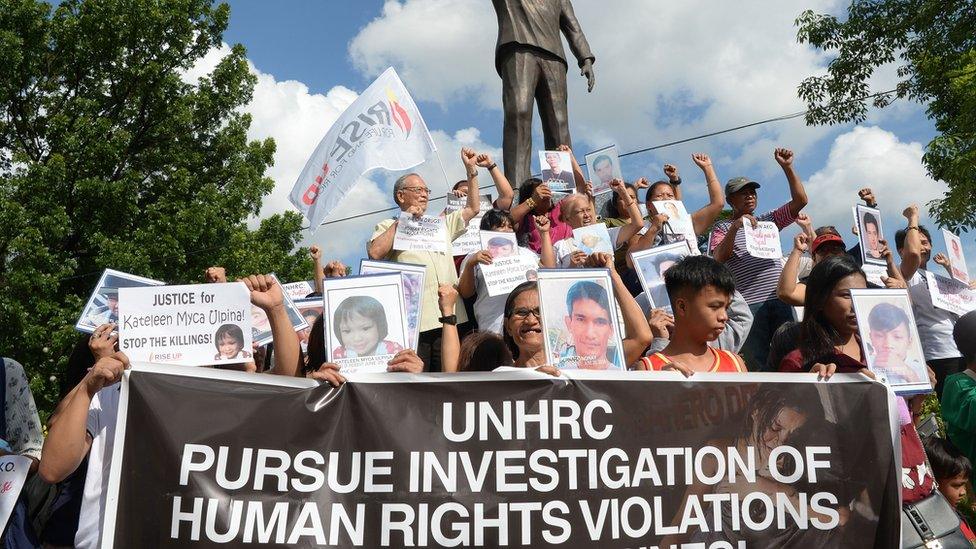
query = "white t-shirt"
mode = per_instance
[
  {"x": 934, "y": 324},
  {"x": 564, "y": 248},
  {"x": 102, "y": 414},
  {"x": 490, "y": 311}
]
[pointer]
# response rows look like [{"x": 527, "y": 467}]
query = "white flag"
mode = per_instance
[{"x": 381, "y": 129}]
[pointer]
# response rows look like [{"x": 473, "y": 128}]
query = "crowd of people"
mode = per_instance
[{"x": 728, "y": 312}]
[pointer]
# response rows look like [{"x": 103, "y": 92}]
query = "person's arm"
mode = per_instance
[
  {"x": 641, "y": 242},
  {"x": 542, "y": 192},
  {"x": 637, "y": 331},
  {"x": 723, "y": 252},
  {"x": 266, "y": 293},
  {"x": 450, "y": 342},
  {"x": 318, "y": 275},
  {"x": 894, "y": 278},
  {"x": 737, "y": 327},
  {"x": 547, "y": 253},
  {"x": 703, "y": 218},
  {"x": 636, "y": 223},
  {"x": 661, "y": 324},
  {"x": 806, "y": 225},
  {"x": 473, "y": 206},
  {"x": 911, "y": 252},
  {"x": 787, "y": 289},
  {"x": 382, "y": 245},
  {"x": 467, "y": 285},
  {"x": 68, "y": 440},
  {"x": 941, "y": 259},
  {"x": 798, "y": 195},
  {"x": 215, "y": 275},
  {"x": 671, "y": 172},
  {"x": 505, "y": 192}
]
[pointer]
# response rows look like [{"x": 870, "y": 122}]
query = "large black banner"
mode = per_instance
[{"x": 502, "y": 460}]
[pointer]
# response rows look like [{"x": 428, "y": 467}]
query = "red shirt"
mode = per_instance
[
  {"x": 558, "y": 230},
  {"x": 724, "y": 361},
  {"x": 793, "y": 363}
]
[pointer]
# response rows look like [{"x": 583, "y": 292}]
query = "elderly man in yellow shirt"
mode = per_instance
[{"x": 412, "y": 195}]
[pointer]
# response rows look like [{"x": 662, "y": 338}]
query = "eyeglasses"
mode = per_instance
[
  {"x": 522, "y": 313},
  {"x": 418, "y": 190}
]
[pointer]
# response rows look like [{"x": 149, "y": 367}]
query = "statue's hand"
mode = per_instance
[{"x": 587, "y": 71}]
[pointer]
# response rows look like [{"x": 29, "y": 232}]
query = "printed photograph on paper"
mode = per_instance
[
  {"x": 510, "y": 264},
  {"x": 413, "y": 290},
  {"x": 652, "y": 264},
  {"x": 957, "y": 261},
  {"x": 593, "y": 238},
  {"x": 579, "y": 319},
  {"x": 870, "y": 234},
  {"x": 603, "y": 166},
  {"x": 103, "y": 304},
  {"x": 311, "y": 310},
  {"x": 367, "y": 321},
  {"x": 890, "y": 338},
  {"x": 679, "y": 221},
  {"x": 557, "y": 171}
]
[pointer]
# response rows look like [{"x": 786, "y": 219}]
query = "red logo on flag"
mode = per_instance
[{"x": 400, "y": 115}]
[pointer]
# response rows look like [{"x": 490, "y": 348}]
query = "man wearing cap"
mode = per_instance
[{"x": 756, "y": 277}]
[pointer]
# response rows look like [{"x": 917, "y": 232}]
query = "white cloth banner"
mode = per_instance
[{"x": 381, "y": 129}]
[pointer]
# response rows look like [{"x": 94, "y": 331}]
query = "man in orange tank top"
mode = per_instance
[{"x": 700, "y": 290}]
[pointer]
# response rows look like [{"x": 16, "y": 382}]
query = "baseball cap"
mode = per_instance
[
  {"x": 736, "y": 184},
  {"x": 826, "y": 238},
  {"x": 499, "y": 241}
]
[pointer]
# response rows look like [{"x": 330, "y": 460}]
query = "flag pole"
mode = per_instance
[{"x": 447, "y": 181}]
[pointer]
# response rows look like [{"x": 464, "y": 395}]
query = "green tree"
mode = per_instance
[
  {"x": 934, "y": 44},
  {"x": 108, "y": 158}
]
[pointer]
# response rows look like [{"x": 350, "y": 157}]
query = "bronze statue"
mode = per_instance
[{"x": 530, "y": 59}]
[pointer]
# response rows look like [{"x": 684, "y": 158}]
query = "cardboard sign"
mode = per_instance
[
  {"x": 193, "y": 325},
  {"x": 603, "y": 166},
  {"x": 426, "y": 233},
  {"x": 468, "y": 242},
  {"x": 579, "y": 319},
  {"x": 13, "y": 475},
  {"x": 957, "y": 261},
  {"x": 762, "y": 240},
  {"x": 593, "y": 238},
  {"x": 299, "y": 290},
  {"x": 679, "y": 220},
  {"x": 509, "y": 266},
  {"x": 413, "y": 289},
  {"x": 874, "y": 274},
  {"x": 651, "y": 265},
  {"x": 310, "y": 308},
  {"x": 949, "y": 294},
  {"x": 870, "y": 233},
  {"x": 890, "y": 337},
  {"x": 103, "y": 304},
  {"x": 366, "y": 321}
]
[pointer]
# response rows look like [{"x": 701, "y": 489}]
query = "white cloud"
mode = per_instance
[{"x": 868, "y": 156}]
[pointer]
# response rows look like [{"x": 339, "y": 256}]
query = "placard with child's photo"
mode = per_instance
[
  {"x": 603, "y": 166},
  {"x": 413, "y": 290},
  {"x": 510, "y": 265},
  {"x": 651, "y": 265},
  {"x": 103, "y": 304},
  {"x": 890, "y": 339},
  {"x": 957, "y": 260},
  {"x": 557, "y": 172},
  {"x": 679, "y": 220},
  {"x": 870, "y": 233},
  {"x": 311, "y": 309},
  {"x": 580, "y": 319},
  {"x": 366, "y": 321},
  {"x": 593, "y": 238},
  {"x": 261, "y": 326}
]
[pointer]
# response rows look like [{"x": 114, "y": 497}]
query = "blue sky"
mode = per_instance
[{"x": 664, "y": 72}]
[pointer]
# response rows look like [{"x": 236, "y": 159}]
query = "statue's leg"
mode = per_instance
[
  {"x": 520, "y": 75},
  {"x": 551, "y": 96}
]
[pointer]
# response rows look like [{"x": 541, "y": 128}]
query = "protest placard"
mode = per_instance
[
  {"x": 261, "y": 326},
  {"x": 957, "y": 260},
  {"x": 367, "y": 321},
  {"x": 763, "y": 239},
  {"x": 311, "y": 309},
  {"x": 13, "y": 475},
  {"x": 468, "y": 242},
  {"x": 651, "y": 264},
  {"x": 557, "y": 173},
  {"x": 426, "y": 233},
  {"x": 193, "y": 325},
  {"x": 603, "y": 166},
  {"x": 875, "y": 274},
  {"x": 870, "y": 234},
  {"x": 413, "y": 290},
  {"x": 949, "y": 294},
  {"x": 509, "y": 267},
  {"x": 504, "y": 459},
  {"x": 299, "y": 290},
  {"x": 579, "y": 319},
  {"x": 890, "y": 337},
  {"x": 103, "y": 304},
  {"x": 593, "y": 238},
  {"x": 679, "y": 220}
]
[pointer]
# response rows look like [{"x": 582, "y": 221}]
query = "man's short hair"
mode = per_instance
[
  {"x": 870, "y": 218},
  {"x": 902, "y": 233},
  {"x": 601, "y": 158},
  {"x": 400, "y": 183},
  {"x": 587, "y": 289},
  {"x": 695, "y": 272},
  {"x": 885, "y": 317}
]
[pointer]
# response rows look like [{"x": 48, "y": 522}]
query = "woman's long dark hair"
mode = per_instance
[
  {"x": 316, "y": 346},
  {"x": 611, "y": 207},
  {"x": 483, "y": 352},
  {"x": 817, "y": 336},
  {"x": 509, "y": 307}
]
